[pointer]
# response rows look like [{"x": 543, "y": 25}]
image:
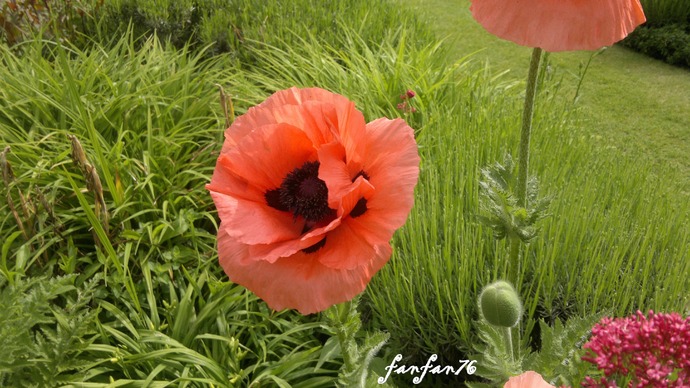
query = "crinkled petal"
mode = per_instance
[
  {"x": 319, "y": 112},
  {"x": 255, "y": 223},
  {"x": 560, "y": 25},
  {"x": 266, "y": 156},
  {"x": 334, "y": 171},
  {"x": 272, "y": 252},
  {"x": 348, "y": 246},
  {"x": 393, "y": 168},
  {"x": 259, "y": 116},
  {"x": 298, "y": 282}
]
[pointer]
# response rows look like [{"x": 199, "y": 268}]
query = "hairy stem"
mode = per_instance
[{"x": 523, "y": 161}]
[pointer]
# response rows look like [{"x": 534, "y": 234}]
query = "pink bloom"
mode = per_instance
[
  {"x": 559, "y": 25},
  {"x": 309, "y": 196},
  {"x": 528, "y": 379},
  {"x": 649, "y": 349}
]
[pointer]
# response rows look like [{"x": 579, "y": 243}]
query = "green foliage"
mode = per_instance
[
  {"x": 57, "y": 20},
  {"x": 148, "y": 119},
  {"x": 149, "y": 127},
  {"x": 610, "y": 218},
  {"x": 46, "y": 327},
  {"x": 669, "y": 43},
  {"x": 237, "y": 27},
  {"x": 666, "y": 33},
  {"x": 662, "y": 12},
  {"x": 496, "y": 361},
  {"x": 200, "y": 330},
  {"x": 557, "y": 360},
  {"x": 344, "y": 323},
  {"x": 499, "y": 204}
]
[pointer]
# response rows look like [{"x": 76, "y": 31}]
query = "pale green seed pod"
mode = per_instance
[{"x": 500, "y": 304}]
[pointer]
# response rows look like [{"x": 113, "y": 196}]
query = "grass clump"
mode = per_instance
[{"x": 144, "y": 300}]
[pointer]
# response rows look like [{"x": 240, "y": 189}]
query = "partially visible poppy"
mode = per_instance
[
  {"x": 559, "y": 25},
  {"x": 529, "y": 379},
  {"x": 309, "y": 196}
]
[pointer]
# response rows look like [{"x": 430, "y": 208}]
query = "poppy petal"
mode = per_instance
[
  {"x": 393, "y": 169},
  {"x": 298, "y": 281},
  {"x": 266, "y": 155},
  {"x": 529, "y": 379},
  {"x": 273, "y": 251},
  {"x": 559, "y": 25},
  {"x": 335, "y": 172},
  {"x": 255, "y": 223}
]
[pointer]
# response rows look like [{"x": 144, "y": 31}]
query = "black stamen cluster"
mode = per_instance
[{"x": 302, "y": 193}]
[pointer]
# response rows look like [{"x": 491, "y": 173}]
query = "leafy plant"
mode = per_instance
[
  {"x": 558, "y": 360},
  {"x": 46, "y": 328},
  {"x": 499, "y": 204}
]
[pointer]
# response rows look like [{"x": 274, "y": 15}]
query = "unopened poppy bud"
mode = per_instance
[{"x": 500, "y": 304}]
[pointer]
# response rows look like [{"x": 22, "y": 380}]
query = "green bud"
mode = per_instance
[{"x": 500, "y": 304}]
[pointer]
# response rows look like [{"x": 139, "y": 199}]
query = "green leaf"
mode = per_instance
[{"x": 330, "y": 350}]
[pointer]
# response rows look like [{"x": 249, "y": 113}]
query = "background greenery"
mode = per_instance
[
  {"x": 113, "y": 280},
  {"x": 666, "y": 34}
]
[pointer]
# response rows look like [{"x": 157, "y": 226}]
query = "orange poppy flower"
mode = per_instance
[
  {"x": 309, "y": 196},
  {"x": 559, "y": 25},
  {"x": 528, "y": 379}
]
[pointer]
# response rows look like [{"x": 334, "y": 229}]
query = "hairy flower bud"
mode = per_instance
[{"x": 500, "y": 304}]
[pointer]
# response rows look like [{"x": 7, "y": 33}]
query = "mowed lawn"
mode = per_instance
[{"x": 627, "y": 101}]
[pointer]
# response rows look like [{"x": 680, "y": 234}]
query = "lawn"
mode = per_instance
[{"x": 109, "y": 266}]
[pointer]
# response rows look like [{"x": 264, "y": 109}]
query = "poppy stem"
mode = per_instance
[{"x": 523, "y": 161}]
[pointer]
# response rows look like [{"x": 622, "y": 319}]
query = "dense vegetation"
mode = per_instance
[
  {"x": 666, "y": 34},
  {"x": 109, "y": 268}
]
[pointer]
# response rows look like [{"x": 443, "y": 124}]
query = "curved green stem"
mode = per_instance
[{"x": 523, "y": 161}]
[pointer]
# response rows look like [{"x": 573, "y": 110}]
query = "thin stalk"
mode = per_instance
[
  {"x": 523, "y": 161},
  {"x": 508, "y": 339}
]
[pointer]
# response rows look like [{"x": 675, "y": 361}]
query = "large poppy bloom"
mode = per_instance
[
  {"x": 559, "y": 25},
  {"x": 309, "y": 196}
]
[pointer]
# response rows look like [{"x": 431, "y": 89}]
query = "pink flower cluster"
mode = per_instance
[
  {"x": 652, "y": 350},
  {"x": 404, "y": 106}
]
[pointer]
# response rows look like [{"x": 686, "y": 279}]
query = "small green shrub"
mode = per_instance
[
  {"x": 666, "y": 33},
  {"x": 669, "y": 43},
  {"x": 20, "y": 19}
]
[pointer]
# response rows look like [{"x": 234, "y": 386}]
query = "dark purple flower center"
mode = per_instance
[
  {"x": 302, "y": 193},
  {"x": 361, "y": 205}
]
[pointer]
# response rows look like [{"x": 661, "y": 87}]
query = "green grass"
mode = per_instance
[{"x": 129, "y": 292}]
